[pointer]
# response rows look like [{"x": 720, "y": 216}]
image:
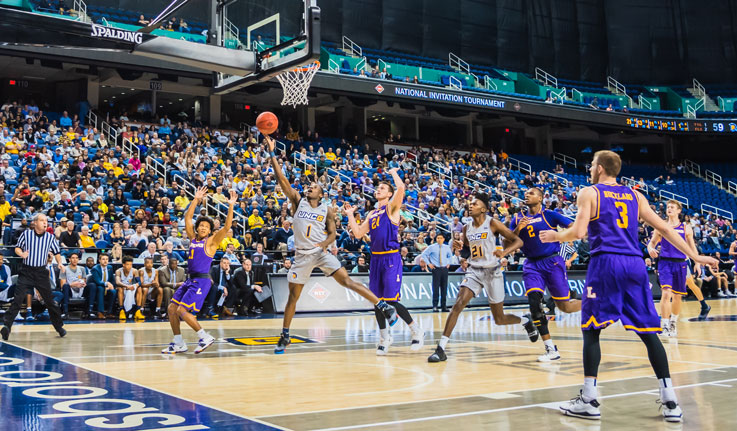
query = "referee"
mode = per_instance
[{"x": 34, "y": 246}]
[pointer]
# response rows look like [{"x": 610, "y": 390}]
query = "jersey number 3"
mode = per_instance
[{"x": 623, "y": 220}]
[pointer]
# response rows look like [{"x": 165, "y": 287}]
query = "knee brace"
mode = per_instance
[{"x": 539, "y": 318}]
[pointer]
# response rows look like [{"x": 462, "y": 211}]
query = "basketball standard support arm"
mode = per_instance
[{"x": 21, "y": 28}]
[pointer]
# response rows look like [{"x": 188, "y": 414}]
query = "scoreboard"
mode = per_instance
[{"x": 696, "y": 126}]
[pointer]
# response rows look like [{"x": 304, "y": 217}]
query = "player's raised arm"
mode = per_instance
[
  {"x": 188, "y": 225},
  {"x": 513, "y": 242},
  {"x": 286, "y": 188},
  {"x": 223, "y": 232},
  {"x": 359, "y": 230},
  {"x": 586, "y": 203},
  {"x": 398, "y": 198},
  {"x": 649, "y": 217}
]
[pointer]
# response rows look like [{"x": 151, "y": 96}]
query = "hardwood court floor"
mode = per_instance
[{"x": 333, "y": 380}]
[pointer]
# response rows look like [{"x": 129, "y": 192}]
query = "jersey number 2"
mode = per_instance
[
  {"x": 191, "y": 253},
  {"x": 477, "y": 251},
  {"x": 530, "y": 231},
  {"x": 375, "y": 223},
  {"x": 623, "y": 220}
]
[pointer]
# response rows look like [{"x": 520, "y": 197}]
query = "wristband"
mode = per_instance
[{"x": 272, "y": 154}]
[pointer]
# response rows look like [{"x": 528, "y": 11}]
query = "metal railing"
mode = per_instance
[
  {"x": 80, "y": 8},
  {"x": 732, "y": 187},
  {"x": 698, "y": 88},
  {"x": 155, "y": 166},
  {"x": 111, "y": 133},
  {"x": 692, "y": 110},
  {"x": 644, "y": 103},
  {"x": 573, "y": 95},
  {"x": 210, "y": 207},
  {"x": 457, "y": 62},
  {"x": 361, "y": 65},
  {"x": 441, "y": 171},
  {"x": 713, "y": 178},
  {"x": 333, "y": 66},
  {"x": 720, "y": 100},
  {"x": 693, "y": 167},
  {"x": 352, "y": 47},
  {"x": 665, "y": 194},
  {"x": 561, "y": 179},
  {"x": 426, "y": 216},
  {"x": 561, "y": 94},
  {"x": 454, "y": 82},
  {"x": 632, "y": 182},
  {"x": 711, "y": 209},
  {"x": 92, "y": 119},
  {"x": 545, "y": 77},
  {"x": 616, "y": 86},
  {"x": 491, "y": 191},
  {"x": 382, "y": 65},
  {"x": 565, "y": 159},
  {"x": 520, "y": 165},
  {"x": 231, "y": 28},
  {"x": 305, "y": 161},
  {"x": 131, "y": 148}
]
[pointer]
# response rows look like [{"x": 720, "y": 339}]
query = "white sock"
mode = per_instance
[
  {"x": 202, "y": 334},
  {"x": 414, "y": 327},
  {"x": 525, "y": 319},
  {"x": 589, "y": 389},
  {"x": 666, "y": 390},
  {"x": 664, "y": 323},
  {"x": 178, "y": 340},
  {"x": 549, "y": 343},
  {"x": 384, "y": 333},
  {"x": 674, "y": 318},
  {"x": 443, "y": 342}
]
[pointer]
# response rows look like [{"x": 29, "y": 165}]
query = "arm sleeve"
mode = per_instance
[
  {"x": 21, "y": 241},
  {"x": 54, "y": 246}
]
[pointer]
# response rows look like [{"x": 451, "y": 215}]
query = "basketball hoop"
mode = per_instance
[{"x": 296, "y": 82}]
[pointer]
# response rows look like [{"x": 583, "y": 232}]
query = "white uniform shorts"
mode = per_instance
[
  {"x": 304, "y": 263},
  {"x": 489, "y": 279}
]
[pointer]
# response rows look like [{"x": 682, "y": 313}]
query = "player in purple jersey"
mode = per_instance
[
  {"x": 385, "y": 269},
  {"x": 188, "y": 299},
  {"x": 617, "y": 284},
  {"x": 314, "y": 232},
  {"x": 733, "y": 255},
  {"x": 673, "y": 271},
  {"x": 544, "y": 267}
]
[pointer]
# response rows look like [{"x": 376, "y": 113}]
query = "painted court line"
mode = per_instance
[
  {"x": 152, "y": 389},
  {"x": 480, "y": 412}
]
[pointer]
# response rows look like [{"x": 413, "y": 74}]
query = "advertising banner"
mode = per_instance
[{"x": 322, "y": 294}]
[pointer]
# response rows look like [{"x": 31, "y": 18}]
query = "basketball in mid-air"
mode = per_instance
[{"x": 266, "y": 122}]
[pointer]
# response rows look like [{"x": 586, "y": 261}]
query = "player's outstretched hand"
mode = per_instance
[
  {"x": 549, "y": 236},
  {"x": 348, "y": 209},
  {"x": 200, "y": 193},
  {"x": 707, "y": 260},
  {"x": 393, "y": 171},
  {"x": 233, "y": 198},
  {"x": 270, "y": 143}
]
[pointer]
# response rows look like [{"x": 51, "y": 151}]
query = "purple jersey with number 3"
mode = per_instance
[{"x": 613, "y": 229}]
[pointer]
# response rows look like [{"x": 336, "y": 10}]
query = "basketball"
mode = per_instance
[{"x": 267, "y": 123}]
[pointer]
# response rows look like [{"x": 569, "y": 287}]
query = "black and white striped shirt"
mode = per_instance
[
  {"x": 566, "y": 250},
  {"x": 38, "y": 247}
]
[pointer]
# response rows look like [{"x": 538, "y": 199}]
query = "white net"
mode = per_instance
[{"x": 295, "y": 84}]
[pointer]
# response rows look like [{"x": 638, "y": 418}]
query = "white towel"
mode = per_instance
[{"x": 129, "y": 299}]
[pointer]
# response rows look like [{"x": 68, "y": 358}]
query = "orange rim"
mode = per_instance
[{"x": 315, "y": 65}]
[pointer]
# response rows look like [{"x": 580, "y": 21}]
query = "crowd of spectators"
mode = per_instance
[{"x": 104, "y": 199}]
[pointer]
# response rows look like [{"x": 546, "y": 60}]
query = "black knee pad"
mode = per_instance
[{"x": 537, "y": 311}]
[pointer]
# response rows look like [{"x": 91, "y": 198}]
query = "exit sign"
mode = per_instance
[{"x": 18, "y": 83}]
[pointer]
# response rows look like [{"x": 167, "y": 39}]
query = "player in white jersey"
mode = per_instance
[
  {"x": 484, "y": 271},
  {"x": 314, "y": 231}
]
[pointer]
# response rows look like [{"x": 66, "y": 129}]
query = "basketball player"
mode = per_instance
[
  {"x": 673, "y": 269},
  {"x": 314, "y": 231},
  {"x": 617, "y": 284},
  {"x": 188, "y": 299},
  {"x": 385, "y": 269},
  {"x": 544, "y": 267},
  {"x": 484, "y": 271}
]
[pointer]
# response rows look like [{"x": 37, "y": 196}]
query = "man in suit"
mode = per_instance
[
  {"x": 171, "y": 277},
  {"x": 242, "y": 297},
  {"x": 101, "y": 285},
  {"x": 221, "y": 277}
]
